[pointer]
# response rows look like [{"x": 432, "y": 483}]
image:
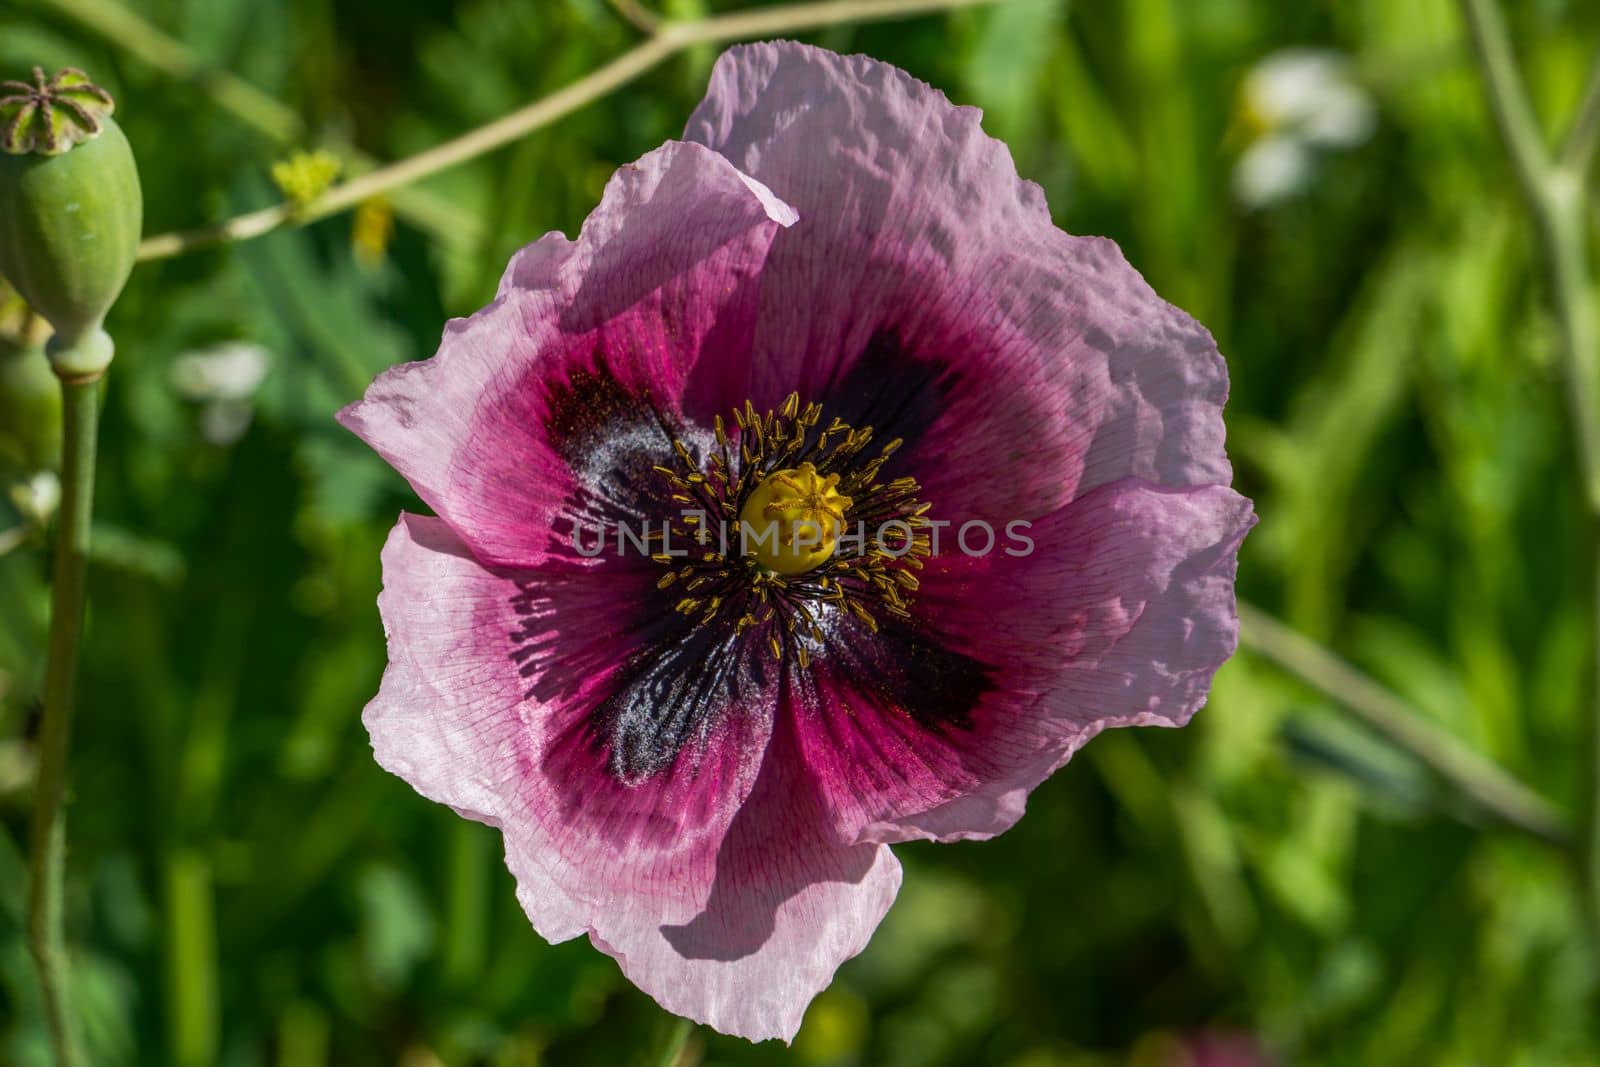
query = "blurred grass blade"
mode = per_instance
[{"x": 1486, "y": 785}]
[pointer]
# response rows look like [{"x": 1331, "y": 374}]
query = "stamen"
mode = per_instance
[{"x": 771, "y": 506}]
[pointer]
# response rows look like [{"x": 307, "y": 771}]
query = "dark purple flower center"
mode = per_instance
[
  {"x": 724, "y": 633},
  {"x": 790, "y": 525}
]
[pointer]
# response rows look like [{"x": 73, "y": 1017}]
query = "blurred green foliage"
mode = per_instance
[{"x": 248, "y": 888}]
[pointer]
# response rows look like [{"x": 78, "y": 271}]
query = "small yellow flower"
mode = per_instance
[
  {"x": 305, "y": 176},
  {"x": 371, "y": 230}
]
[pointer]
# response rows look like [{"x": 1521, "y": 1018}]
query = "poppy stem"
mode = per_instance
[
  {"x": 1578, "y": 150},
  {"x": 1494, "y": 792},
  {"x": 668, "y": 39},
  {"x": 47, "y": 853},
  {"x": 1552, "y": 184},
  {"x": 261, "y": 111},
  {"x": 642, "y": 18}
]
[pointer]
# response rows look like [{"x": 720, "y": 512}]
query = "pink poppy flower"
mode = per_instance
[{"x": 834, "y": 306}]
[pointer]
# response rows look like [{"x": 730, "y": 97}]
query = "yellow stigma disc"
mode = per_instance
[{"x": 792, "y": 520}]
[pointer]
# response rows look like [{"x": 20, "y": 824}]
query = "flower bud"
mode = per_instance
[{"x": 70, "y": 209}]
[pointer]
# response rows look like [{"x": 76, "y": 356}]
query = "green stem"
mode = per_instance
[
  {"x": 80, "y": 403},
  {"x": 643, "y": 19},
  {"x": 1564, "y": 229},
  {"x": 1553, "y": 189},
  {"x": 1591, "y": 856},
  {"x": 669, "y": 39},
  {"x": 1491, "y": 790},
  {"x": 1579, "y": 148},
  {"x": 259, "y": 110},
  {"x": 1513, "y": 114}
]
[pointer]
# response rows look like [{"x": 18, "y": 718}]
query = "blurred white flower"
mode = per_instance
[
  {"x": 229, "y": 371},
  {"x": 37, "y": 496},
  {"x": 1312, "y": 93},
  {"x": 1297, "y": 103},
  {"x": 1272, "y": 169},
  {"x": 225, "y": 379}
]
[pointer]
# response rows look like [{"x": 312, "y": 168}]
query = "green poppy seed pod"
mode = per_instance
[{"x": 70, "y": 210}]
